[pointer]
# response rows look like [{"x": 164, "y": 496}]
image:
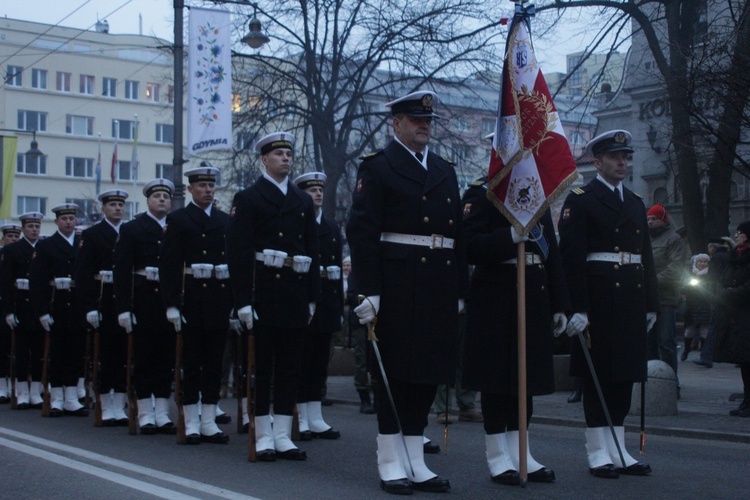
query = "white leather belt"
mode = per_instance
[
  {"x": 144, "y": 273},
  {"x": 531, "y": 259},
  {"x": 618, "y": 257},
  {"x": 288, "y": 261},
  {"x": 432, "y": 241}
]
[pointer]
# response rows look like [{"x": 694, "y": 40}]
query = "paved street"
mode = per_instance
[{"x": 69, "y": 458}]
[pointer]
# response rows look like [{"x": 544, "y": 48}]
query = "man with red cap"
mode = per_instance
[{"x": 669, "y": 261}]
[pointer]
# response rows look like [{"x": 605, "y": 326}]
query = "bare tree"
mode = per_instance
[
  {"x": 697, "y": 45},
  {"x": 332, "y": 64}
]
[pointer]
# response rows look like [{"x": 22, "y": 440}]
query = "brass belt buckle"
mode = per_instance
[{"x": 626, "y": 258}]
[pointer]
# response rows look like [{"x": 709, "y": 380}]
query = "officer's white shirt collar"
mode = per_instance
[
  {"x": 33, "y": 245},
  {"x": 283, "y": 185},
  {"x": 70, "y": 239},
  {"x": 424, "y": 153},
  {"x": 116, "y": 228},
  {"x": 319, "y": 217},
  {"x": 162, "y": 222},
  {"x": 207, "y": 210},
  {"x": 612, "y": 188}
]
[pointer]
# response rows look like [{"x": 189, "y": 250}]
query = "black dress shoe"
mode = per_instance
[
  {"x": 218, "y": 438},
  {"x": 327, "y": 434},
  {"x": 223, "y": 419},
  {"x": 266, "y": 456},
  {"x": 575, "y": 396},
  {"x": 149, "y": 429},
  {"x": 245, "y": 428},
  {"x": 637, "y": 469},
  {"x": 23, "y": 406},
  {"x": 430, "y": 448},
  {"x": 122, "y": 422},
  {"x": 326, "y": 402},
  {"x": 397, "y": 486},
  {"x": 55, "y": 412},
  {"x": 543, "y": 475},
  {"x": 293, "y": 454},
  {"x": 193, "y": 439},
  {"x": 4, "y": 400},
  {"x": 110, "y": 422},
  {"x": 607, "y": 471},
  {"x": 435, "y": 485},
  {"x": 168, "y": 428},
  {"x": 37, "y": 406},
  {"x": 80, "y": 412},
  {"x": 509, "y": 477},
  {"x": 706, "y": 364},
  {"x": 305, "y": 436}
]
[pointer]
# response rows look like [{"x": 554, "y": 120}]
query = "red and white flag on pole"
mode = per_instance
[{"x": 531, "y": 163}]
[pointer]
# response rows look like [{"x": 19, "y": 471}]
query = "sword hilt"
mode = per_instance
[{"x": 371, "y": 325}]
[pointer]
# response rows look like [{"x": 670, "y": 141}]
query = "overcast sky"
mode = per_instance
[{"x": 157, "y": 16}]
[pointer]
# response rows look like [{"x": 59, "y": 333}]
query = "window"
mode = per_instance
[
  {"x": 88, "y": 210},
  {"x": 461, "y": 153},
  {"x": 170, "y": 94},
  {"x": 245, "y": 140},
  {"x": 131, "y": 89},
  {"x": 79, "y": 167},
  {"x": 165, "y": 170},
  {"x": 14, "y": 76},
  {"x": 462, "y": 125},
  {"x": 131, "y": 208},
  {"x": 31, "y": 204},
  {"x": 86, "y": 85},
  {"x": 33, "y": 166},
  {"x": 164, "y": 133},
  {"x": 39, "y": 79},
  {"x": 32, "y": 120},
  {"x": 63, "y": 81},
  {"x": 125, "y": 172},
  {"x": 79, "y": 125},
  {"x": 488, "y": 126},
  {"x": 109, "y": 87},
  {"x": 126, "y": 129},
  {"x": 152, "y": 92}
]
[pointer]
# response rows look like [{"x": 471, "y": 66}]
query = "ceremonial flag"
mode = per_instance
[
  {"x": 8, "y": 148},
  {"x": 209, "y": 106},
  {"x": 134, "y": 157},
  {"x": 113, "y": 172},
  {"x": 531, "y": 163},
  {"x": 98, "y": 169}
]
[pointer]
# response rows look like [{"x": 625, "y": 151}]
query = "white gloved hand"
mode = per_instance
[
  {"x": 234, "y": 325},
  {"x": 93, "y": 317},
  {"x": 127, "y": 320},
  {"x": 311, "y": 308},
  {"x": 650, "y": 321},
  {"x": 517, "y": 238},
  {"x": 246, "y": 315},
  {"x": 46, "y": 322},
  {"x": 559, "y": 323},
  {"x": 12, "y": 320},
  {"x": 368, "y": 309},
  {"x": 461, "y": 305},
  {"x": 577, "y": 324},
  {"x": 174, "y": 317}
]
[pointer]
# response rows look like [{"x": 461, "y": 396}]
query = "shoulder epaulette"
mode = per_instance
[
  {"x": 639, "y": 196},
  {"x": 478, "y": 182},
  {"x": 578, "y": 191},
  {"x": 367, "y": 156},
  {"x": 449, "y": 162}
]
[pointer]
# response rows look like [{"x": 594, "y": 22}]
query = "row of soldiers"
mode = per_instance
[{"x": 169, "y": 278}]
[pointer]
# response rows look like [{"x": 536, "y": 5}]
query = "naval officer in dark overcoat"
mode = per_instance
[
  {"x": 404, "y": 232},
  {"x": 327, "y": 319},
  {"x": 96, "y": 294},
  {"x": 609, "y": 268},
  {"x": 196, "y": 292},
  {"x": 52, "y": 291},
  {"x": 140, "y": 308},
  {"x": 491, "y": 344},
  {"x": 272, "y": 247}
]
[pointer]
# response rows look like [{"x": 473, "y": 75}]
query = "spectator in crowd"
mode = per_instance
[{"x": 697, "y": 305}]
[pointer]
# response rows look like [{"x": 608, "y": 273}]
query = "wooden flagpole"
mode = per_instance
[{"x": 521, "y": 300}]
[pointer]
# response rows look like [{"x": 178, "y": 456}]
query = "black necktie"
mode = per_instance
[{"x": 419, "y": 156}]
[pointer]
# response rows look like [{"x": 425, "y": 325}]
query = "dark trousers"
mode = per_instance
[
  {"x": 113, "y": 357},
  {"x": 29, "y": 350},
  {"x": 616, "y": 394},
  {"x": 314, "y": 367},
  {"x": 153, "y": 356},
  {"x": 278, "y": 353},
  {"x": 413, "y": 402},
  {"x": 67, "y": 349},
  {"x": 500, "y": 412},
  {"x": 202, "y": 352},
  {"x": 4, "y": 348}
]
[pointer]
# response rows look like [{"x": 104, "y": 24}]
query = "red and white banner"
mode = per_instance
[
  {"x": 209, "y": 107},
  {"x": 531, "y": 163}
]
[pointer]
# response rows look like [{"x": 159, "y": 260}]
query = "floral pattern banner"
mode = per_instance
[{"x": 209, "y": 81}]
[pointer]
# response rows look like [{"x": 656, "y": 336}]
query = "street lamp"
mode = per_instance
[
  {"x": 34, "y": 151},
  {"x": 254, "y": 39}
]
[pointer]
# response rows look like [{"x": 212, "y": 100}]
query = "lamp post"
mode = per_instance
[
  {"x": 254, "y": 39},
  {"x": 34, "y": 151}
]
